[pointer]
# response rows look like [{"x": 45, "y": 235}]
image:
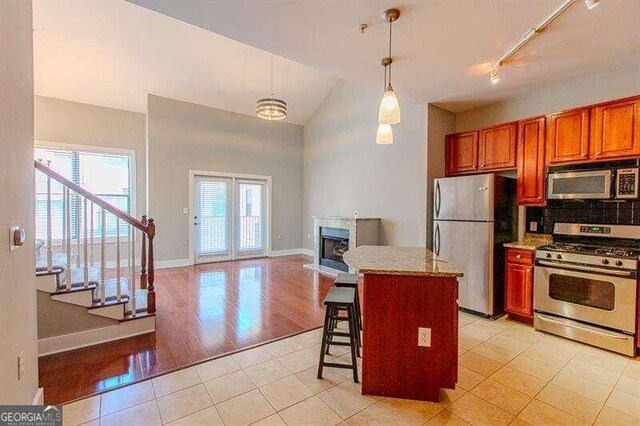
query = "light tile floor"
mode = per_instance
[{"x": 509, "y": 374}]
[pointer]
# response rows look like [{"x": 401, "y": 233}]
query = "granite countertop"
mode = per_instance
[
  {"x": 530, "y": 242},
  {"x": 387, "y": 260}
]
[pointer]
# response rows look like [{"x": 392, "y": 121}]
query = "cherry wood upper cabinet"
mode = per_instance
[
  {"x": 461, "y": 153},
  {"x": 615, "y": 129},
  {"x": 531, "y": 152},
  {"x": 568, "y": 136},
  {"x": 497, "y": 147}
]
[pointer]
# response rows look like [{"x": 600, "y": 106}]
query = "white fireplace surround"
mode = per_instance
[{"x": 362, "y": 231}]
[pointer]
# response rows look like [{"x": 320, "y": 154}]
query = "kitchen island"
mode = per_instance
[{"x": 410, "y": 321}]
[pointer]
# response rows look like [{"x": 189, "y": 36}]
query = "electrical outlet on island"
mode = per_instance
[{"x": 424, "y": 337}]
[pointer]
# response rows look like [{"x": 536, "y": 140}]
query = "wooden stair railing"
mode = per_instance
[{"x": 84, "y": 203}]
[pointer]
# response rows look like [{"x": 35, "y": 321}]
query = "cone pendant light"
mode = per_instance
[
  {"x": 384, "y": 135},
  {"x": 389, "y": 111}
]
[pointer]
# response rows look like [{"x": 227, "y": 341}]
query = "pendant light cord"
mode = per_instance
[
  {"x": 271, "y": 75},
  {"x": 384, "y": 87},
  {"x": 390, "y": 27}
]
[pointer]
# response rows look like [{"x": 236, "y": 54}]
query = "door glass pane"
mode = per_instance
[
  {"x": 582, "y": 291},
  {"x": 213, "y": 217},
  {"x": 250, "y": 216}
]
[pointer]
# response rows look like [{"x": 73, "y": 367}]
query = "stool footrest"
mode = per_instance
[
  {"x": 338, "y": 333},
  {"x": 339, "y": 318},
  {"x": 334, "y": 365},
  {"x": 339, "y": 344}
]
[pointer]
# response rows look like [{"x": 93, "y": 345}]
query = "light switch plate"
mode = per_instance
[
  {"x": 424, "y": 337},
  {"x": 533, "y": 226},
  {"x": 185, "y": 210}
]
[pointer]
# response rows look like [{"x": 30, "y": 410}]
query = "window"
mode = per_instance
[{"x": 106, "y": 174}]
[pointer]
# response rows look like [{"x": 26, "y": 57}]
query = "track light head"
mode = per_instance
[
  {"x": 590, "y": 4},
  {"x": 494, "y": 76}
]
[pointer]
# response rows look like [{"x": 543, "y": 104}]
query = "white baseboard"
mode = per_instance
[
  {"x": 67, "y": 342},
  {"x": 173, "y": 263},
  {"x": 307, "y": 252},
  {"x": 285, "y": 252},
  {"x": 39, "y": 398}
]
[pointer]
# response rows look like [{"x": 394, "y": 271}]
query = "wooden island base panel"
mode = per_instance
[{"x": 406, "y": 289}]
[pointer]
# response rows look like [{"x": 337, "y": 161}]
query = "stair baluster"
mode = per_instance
[
  {"x": 118, "y": 277},
  {"x": 67, "y": 209},
  {"x": 91, "y": 259},
  {"x": 103, "y": 255},
  {"x": 77, "y": 201},
  {"x": 132, "y": 271},
  {"x": 143, "y": 258},
  {"x": 151, "y": 292},
  {"x": 49, "y": 230},
  {"x": 85, "y": 247}
]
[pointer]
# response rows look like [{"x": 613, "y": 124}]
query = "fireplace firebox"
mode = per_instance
[{"x": 333, "y": 243}]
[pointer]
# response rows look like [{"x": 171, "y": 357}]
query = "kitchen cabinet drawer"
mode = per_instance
[{"x": 523, "y": 257}]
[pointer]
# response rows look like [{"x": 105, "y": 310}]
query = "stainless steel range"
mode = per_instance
[{"x": 586, "y": 285}]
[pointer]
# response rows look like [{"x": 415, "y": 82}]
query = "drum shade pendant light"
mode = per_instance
[
  {"x": 271, "y": 108},
  {"x": 389, "y": 112}
]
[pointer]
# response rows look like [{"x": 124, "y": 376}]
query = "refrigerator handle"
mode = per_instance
[
  {"x": 436, "y": 241},
  {"x": 438, "y": 200}
]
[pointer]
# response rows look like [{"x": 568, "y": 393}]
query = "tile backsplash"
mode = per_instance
[{"x": 599, "y": 212}]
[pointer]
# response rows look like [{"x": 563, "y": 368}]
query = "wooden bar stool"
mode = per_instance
[
  {"x": 351, "y": 281},
  {"x": 340, "y": 299}
]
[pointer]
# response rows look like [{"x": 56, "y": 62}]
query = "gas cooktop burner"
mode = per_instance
[{"x": 595, "y": 250}]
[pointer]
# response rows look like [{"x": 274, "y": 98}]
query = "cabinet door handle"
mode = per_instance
[{"x": 518, "y": 256}]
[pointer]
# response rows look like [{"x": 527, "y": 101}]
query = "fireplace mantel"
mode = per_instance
[{"x": 362, "y": 231}]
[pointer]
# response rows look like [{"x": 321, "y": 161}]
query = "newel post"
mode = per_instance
[
  {"x": 143, "y": 258},
  {"x": 151, "y": 293}
]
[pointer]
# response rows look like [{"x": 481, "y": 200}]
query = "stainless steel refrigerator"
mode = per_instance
[{"x": 473, "y": 217}]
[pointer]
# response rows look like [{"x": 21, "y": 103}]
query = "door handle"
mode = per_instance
[
  {"x": 437, "y": 199},
  {"x": 436, "y": 242}
]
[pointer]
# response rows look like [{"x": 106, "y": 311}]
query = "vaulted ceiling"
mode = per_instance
[
  {"x": 216, "y": 52},
  {"x": 443, "y": 50},
  {"x": 112, "y": 53}
]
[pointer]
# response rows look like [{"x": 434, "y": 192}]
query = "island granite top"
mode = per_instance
[{"x": 388, "y": 260}]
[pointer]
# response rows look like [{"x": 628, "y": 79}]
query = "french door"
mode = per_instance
[{"x": 231, "y": 217}]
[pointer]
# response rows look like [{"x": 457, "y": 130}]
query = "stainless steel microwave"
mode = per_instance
[{"x": 593, "y": 184}]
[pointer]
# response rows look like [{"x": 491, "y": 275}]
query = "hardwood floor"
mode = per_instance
[{"x": 203, "y": 311}]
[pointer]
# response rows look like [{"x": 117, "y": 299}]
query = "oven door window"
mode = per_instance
[{"x": 583, "y": 291}]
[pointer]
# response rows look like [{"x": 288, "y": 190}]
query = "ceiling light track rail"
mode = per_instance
[{"x": 538, "y": 29}]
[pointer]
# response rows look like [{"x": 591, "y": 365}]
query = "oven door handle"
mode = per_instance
[
  {"x": 601, "y": 333},
  {"x": 585, "y": 268}
]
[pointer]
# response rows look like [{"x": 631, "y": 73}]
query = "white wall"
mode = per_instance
[
  {"x": 589, "y": 90},
  {"x": 17, "y": 278},
  {"x": 184, "y": 136},
  {"x": 345, "y": 171},
  {"x": 75, "y": 123},
  {"x": 440, "y": 123}
]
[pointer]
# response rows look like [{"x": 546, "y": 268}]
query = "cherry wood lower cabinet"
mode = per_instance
[
  {"x": 531, "y": 167},
  {"x": 519, "y": 284},
  {"x": 395, "y": 306}
]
